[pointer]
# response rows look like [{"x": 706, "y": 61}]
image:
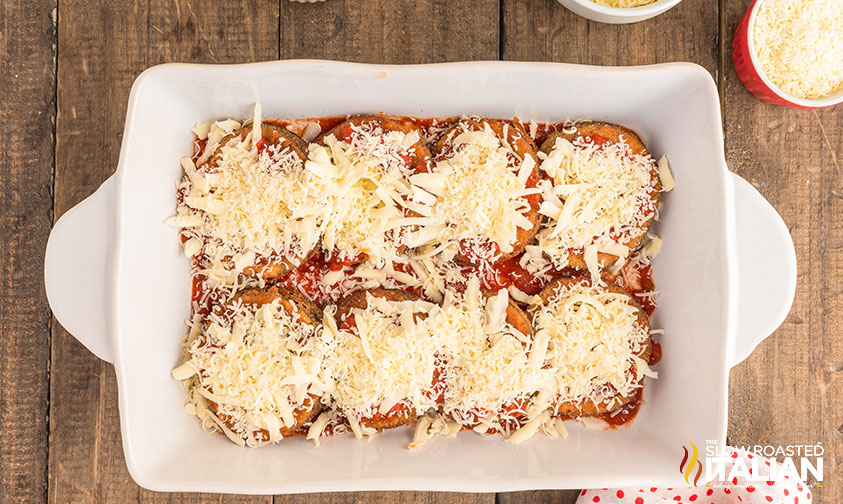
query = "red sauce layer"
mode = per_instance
[{"x": 626, "y": 414}]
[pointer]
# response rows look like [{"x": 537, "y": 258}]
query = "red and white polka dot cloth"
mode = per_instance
[{"x": 786, "y": 490}]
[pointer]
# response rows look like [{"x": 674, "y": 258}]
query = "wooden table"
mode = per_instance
[{"x": 65, "y": 73}]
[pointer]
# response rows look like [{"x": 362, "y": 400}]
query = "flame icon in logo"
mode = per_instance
[{"x": 686, "y": 467}]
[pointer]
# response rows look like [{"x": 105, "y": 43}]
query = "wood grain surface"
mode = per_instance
[
  {"x": 27, "y": 113},
  {"x": 385, "y": 31},
  {"x": 59, "y": 426},
  {"x": 790, "y": 390},
  {"x": 539, "y": 30},
  {"x": 103, "y": 46}
]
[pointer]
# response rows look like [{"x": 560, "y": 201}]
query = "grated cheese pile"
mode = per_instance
[
  {"x": 594, "y": 338},
  {"x": 598, "y": 199},
  {"x": 251, "y": 204},
  {"x": 388, "y": 358},
  {"x": 480, "y": 190},
  {"x": 268, "y": 203},
  {"x": 799, "y": 45},
  {"x": 437, "y": 274},
  {"x": 366, "y": 187},
  {"x": 488, "y": 362},
  {"x": 258, "y": 365}
]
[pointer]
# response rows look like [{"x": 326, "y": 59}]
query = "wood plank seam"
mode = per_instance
[
  {"x": 27, "y": 77},
  {"x": 54, "y": 14}
]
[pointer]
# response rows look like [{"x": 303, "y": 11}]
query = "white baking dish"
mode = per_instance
[{"x": 116, "y": 277}]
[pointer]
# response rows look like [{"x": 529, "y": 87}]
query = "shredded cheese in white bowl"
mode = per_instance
[
  {"x": 618, "y": 11},
  {"x": 623, "y": 4}
]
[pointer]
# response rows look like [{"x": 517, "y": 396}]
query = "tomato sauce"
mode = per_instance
[
  {"x": 198, "y": 147},
  {"x": 638, "y": 280},
  {"x": 298, "y": 126},
  {"x": 399, "y": 409},
  {"x": 408, "y": 270},
  {"x": 655, "y": 354},
  {"x": 262, "y": 146},
  {"x": 426, "y": 124},
  {"x": 598, "y": 140},
  {"x": 510, "y": 272},
  {"x": 199, "y": 298},
  {"x": 348, "y": 323},
  {"x": 309, "y": 279},
  {"x": 626, "y": 414},
  {"x": 514, "y": 413},
  {"x": 437, "y": 387}
]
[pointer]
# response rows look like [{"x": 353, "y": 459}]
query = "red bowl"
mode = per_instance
[{"x": 743, "y": 57}]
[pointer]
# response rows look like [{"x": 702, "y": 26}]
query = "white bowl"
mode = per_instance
[
  {"x": 615, "y": 15},
  {"x": 117, "y": 279}
]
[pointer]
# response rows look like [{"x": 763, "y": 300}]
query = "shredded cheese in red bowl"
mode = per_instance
[{"x": 790, "y": 52}]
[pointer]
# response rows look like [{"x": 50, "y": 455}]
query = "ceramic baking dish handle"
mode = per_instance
[
  {"x": 76, "y": 268},
  {"x": 766, "y": 269}
]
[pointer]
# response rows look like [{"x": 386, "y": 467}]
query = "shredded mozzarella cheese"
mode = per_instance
[
  {"x": 266, "y": 203},
  {"x": 387, "y": 359},
  {"x": 599, "y": 198},
  {"x": 257, "y": 364},
  {"x": 594, "y": 339},
  {"x": 366, "y": 190},
  {"x": 252, "y": 203},
  {"x": 799, "y": 45},
  {"x": 480, "y": 191},
  {"x": 488, "y": 362},
  {"x": 250, "y": 370}
]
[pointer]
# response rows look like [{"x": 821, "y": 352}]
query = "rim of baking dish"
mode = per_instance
[
  {"x": 832, "y": 99},
  {"x": 729, "y": 304}
]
